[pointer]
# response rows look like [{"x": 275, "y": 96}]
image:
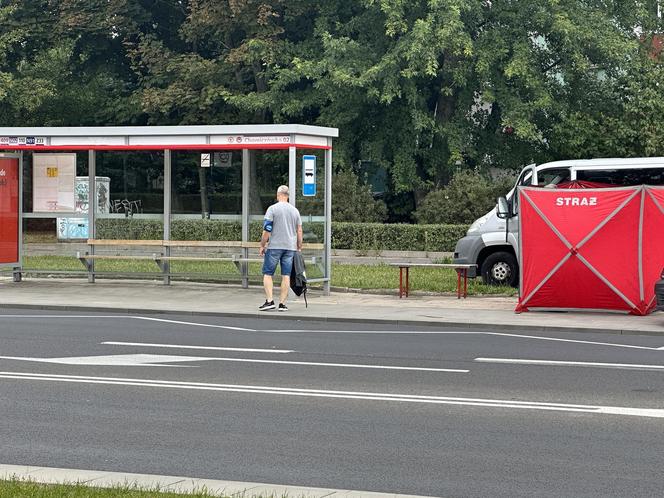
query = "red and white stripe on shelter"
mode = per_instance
[{"x": 593, "y": 249}]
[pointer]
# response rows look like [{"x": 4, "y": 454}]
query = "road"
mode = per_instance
[{"x": 346, "y": 406}]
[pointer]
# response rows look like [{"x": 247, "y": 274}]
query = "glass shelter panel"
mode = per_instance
[
  {"x": 133, "y": 211},
  {"x": 206, "y": 185},
  {"x": 206, "y": 214},
  {"x": 312, "y": 209},
  {"x": 136, "y": 184},
  {"x": 267, "y": 171},
  {"x": 54, "y": 231}
]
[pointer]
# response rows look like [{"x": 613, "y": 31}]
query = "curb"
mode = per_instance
[
  {"x": 444, "y": 325},
  {"x": 174, "y": 484}
]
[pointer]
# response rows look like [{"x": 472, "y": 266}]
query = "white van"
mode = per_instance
[{"x": 491, "y": 243}]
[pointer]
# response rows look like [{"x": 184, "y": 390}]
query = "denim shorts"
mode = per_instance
[{"x": 282, "y": 256}]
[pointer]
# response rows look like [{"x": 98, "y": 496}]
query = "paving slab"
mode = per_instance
[
  {"x": 475, "y": 313},
  {"x": 53, "y": 475},
  {"x": 113, "y": 479},
  {"x": 213, "y": 487},
  {"x": 17, "y": 471}
]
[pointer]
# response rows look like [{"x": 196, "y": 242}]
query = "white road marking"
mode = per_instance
[
  {"x": 209, "y": 348},
  {"x": 124, "y": 360},
  {"x": 64, "y": 316},
  {"x": 439, "y": 332},
  {"x": 155, "y": 360},
  {"x": 285, "y": 391},
  {"x": 193, "y": 324},
  {"x": 622, "y": 366}
]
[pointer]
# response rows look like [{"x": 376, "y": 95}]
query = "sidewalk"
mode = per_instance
[{"x": 475, "y": 313}]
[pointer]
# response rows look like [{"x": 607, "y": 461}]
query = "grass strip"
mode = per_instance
[
  {"x": 439, "y": 280},
  {"x": 353, "y": 276},
  {"x": 18, "y": 488},
  {"x": 27, "y": 489}
]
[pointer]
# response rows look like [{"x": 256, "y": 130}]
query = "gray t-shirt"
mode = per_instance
[{"x": 284, "y": 219}]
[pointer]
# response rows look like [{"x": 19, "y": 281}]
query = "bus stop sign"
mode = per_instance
[{"x": 308, "y": 176}]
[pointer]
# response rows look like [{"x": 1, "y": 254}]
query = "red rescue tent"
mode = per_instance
[{"x": 591, "y": 249}]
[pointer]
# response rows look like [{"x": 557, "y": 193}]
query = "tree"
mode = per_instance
[
  {"x": 623, "y": 122},
  {"x": 64, "y": 62},
  {"x": 467, "y": 197},
  {"x": 352, "y": 200},
  {"x": 424, "y": 87}
]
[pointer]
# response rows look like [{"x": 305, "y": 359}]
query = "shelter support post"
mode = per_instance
[
  {"x": 292, "y": 173},
  {"x": 247, "y": 158},
  {"x": 328, "y": 219},
  {"x": 92, "y": 210},
  {"x": 166, "y": 267},
  {"x": 292, "y": 180},
  {"x": 18, "y": 271}
]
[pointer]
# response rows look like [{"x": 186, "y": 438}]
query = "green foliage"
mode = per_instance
[
  {"x": 467, "y": 197},
  {"x": 396, "y": 237},
  {"x": 15, "y": 488},
  {"x": 129, "y": 228},
  {"x": 620, "y": 121},
  {"x": 383, "y": 276},
  {"x": 205, "y": 230},
  {"x": 358, "y": 236},
  {"x": 352, "y": 200}
]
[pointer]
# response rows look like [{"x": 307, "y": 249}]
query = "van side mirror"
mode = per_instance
[{"x": 503, "y": 209}]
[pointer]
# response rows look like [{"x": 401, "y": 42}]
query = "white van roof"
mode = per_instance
[{"x": 606, "y": 163}]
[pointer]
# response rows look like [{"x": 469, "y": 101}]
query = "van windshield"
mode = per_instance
[{"x": 624, "y": 177}]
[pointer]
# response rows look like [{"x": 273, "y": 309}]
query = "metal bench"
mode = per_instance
[
  {"x": 164, "y": 257},
  {"x": 462, "y": 274}
]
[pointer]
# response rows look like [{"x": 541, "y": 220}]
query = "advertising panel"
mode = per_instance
[
  {"x": 9, "y": 210},
  {"x": 77, "y": 228},
  {"x": 54, "y": 177}
]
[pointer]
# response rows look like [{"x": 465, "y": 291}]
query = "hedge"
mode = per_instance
[
  {"x": 357, "y": 236},
  {"x": 396, "y": 237}
]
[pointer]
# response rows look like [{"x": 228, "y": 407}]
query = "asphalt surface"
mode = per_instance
[{"x": 457, "y": 417}]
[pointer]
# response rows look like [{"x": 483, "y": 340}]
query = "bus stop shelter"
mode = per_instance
[{"x": 17, "y": 144}]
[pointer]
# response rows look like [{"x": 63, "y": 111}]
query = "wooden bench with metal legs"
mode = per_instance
[{"x": 461, "y": 269}]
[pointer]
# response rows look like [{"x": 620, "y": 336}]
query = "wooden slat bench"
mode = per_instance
[
  {"x": 163, "y": 257},
  {"x": 462, "y": 274}
]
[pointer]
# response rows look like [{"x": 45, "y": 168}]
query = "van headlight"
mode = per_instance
[{"x": 477, "y": 224}]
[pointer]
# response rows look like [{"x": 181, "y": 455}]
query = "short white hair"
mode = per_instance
[{"x": 283, "y": 189}]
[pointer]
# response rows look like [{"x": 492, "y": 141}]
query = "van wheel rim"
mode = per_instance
[{"x": 501, "y": 272}]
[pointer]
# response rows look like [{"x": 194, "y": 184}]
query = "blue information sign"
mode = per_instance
[{"x": 308, "y": 176}]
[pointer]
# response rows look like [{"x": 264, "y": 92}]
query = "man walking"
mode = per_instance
[{"x": 282, "y": 237}]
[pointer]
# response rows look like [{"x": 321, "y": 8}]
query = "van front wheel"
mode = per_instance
[{"x": 500, "y": 268}]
